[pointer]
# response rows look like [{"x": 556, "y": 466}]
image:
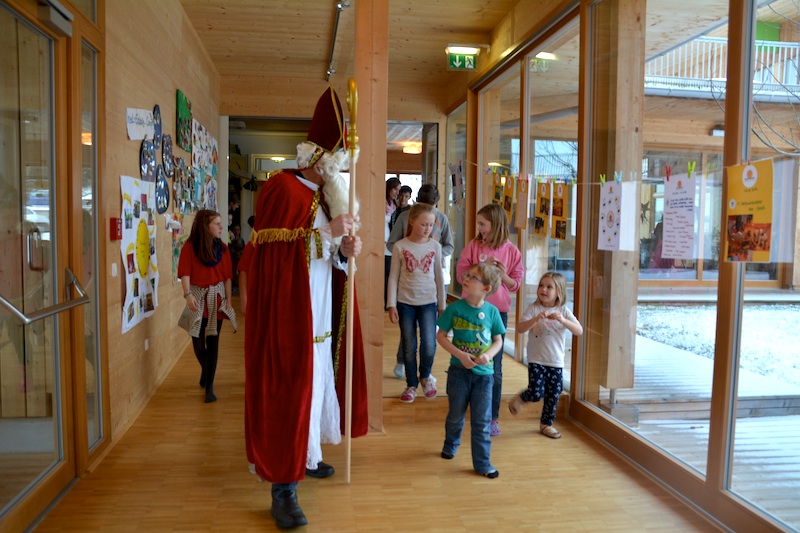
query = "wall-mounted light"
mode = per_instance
[
  {"x": 546, "y": 55},
  {"x": 412, "y": 148},
  {"x": 717, "y": 131},
  {"x": 277, "y": 159},
  {"x": 466, "y": 49}
]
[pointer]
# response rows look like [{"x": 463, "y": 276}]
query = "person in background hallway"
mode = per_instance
[
  {"x": 547, "y": 319},
  {"x": 294, "y": 337},
  {"x": 416, "y": 293},
  {"x": 477, "y": 341},
  {"x": 403, "y": 204},
  {"x": 392, "y": 190},
  {"x": 205, "y": 271},
  {"x": 491, "y": 246},
  {"x": 236, "y": 248},
  {"x": 428, "y": 194}
]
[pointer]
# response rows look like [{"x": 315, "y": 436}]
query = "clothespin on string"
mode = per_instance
[
  {"x": 618, "y": 176},
  {"x": 669, "y": 171},
  {"x": 690, "y": 166},
  {"x": 602, "y": 180}
]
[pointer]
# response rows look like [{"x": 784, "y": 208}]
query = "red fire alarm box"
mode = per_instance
[{"x": 116, "y": 229}]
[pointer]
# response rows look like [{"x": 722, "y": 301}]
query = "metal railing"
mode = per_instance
[{"x": 700, "y": 65}]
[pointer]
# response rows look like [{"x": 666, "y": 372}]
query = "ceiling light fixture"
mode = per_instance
[
  {"x": 277, "y": 159},
  {"x": 412, "y": 148},
  {"x": 546, "y": 55},
  {"x": 466, "y": 49}
]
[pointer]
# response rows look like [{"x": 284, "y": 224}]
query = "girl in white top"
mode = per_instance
[
  {"x": 547, "y": 319},
  {"x": 415, "y": 296}
]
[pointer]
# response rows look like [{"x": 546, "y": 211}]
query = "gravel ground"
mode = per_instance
[{"x": 769, "y": 335}]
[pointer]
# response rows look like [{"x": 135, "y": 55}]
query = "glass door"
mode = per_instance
[{"x": 36, "y": 457}]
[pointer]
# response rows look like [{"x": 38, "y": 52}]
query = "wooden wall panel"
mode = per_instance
[{"x": 152, "y": 50}]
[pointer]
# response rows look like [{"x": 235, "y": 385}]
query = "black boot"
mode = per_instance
[{"x": 285, "y": 509}]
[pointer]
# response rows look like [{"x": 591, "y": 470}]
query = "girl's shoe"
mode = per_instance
[
  {"x": 550, "y": 431},
  {"x": 516, "y": 404},
  {"x": 494, "y": 429},
  {"x": 399, "y": 371},
  {"x": 408, "y": 395},
  {"x": 429, "y": 387}
]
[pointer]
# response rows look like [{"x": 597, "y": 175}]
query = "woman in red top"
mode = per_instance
[{"x": 205, "y": 271}]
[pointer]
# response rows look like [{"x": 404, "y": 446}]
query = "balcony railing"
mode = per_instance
[{"x": 699, "y": 67}]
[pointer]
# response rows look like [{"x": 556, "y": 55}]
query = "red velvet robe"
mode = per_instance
[{"x": 279, "y": 338}]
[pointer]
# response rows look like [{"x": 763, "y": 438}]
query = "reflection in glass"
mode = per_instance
[
  {"x": 30, "y": 443},
  {"x": 455, "y": 191}
]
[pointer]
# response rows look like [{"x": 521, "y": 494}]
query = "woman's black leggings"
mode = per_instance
[{"x": 206, "y": 349}]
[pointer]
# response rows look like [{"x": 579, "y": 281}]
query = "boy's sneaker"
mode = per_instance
[
  {"x": 516, "y": 404},
  {"x": 408, "y": 395},
  {"x": 429, "y": 387},
  {"x": 494, "y": 429},
  {"x": 399, "y": 371}
]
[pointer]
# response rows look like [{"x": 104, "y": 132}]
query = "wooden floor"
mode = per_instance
[{"x": 182, "y": 467}]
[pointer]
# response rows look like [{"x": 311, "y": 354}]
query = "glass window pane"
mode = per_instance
[
  {"x": 552, "y": 168},
  {"x": 88, "y": 8},
  {"x": 766, "y": 449},
  {"x": 89, "y": 230},
  {"x": 652, "y": 265},
  {"x": 455, "y": 191}
]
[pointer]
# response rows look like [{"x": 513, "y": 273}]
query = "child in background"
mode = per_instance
[
  {"x": 547, "y": 319},
  {"x": 491, "y": 246},
  {"x": 415, "y": 293},
  {"x": 205, "y": 270},
  {"x": 477, "y": 339}
]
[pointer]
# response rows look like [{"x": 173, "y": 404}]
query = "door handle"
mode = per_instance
[{"x": 52, "y": 310}]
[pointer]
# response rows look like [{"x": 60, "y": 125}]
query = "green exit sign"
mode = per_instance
[{"x": 461, "y": 61}]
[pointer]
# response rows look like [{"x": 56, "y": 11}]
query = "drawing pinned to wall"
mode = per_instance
[
  {"x": 213, "y": 158},
  {"x": 147, "y": 161},
  {"x": 139, "y": 123},
  {"x": 162, "y": 190},
  {"x": 157, "y": 126},
  {"x": 199, "y": 145},
  {"x": 198, "y": 187},
  {"x": 508, "y": 196},
  {"x": 184, "y": 122},
  {"x": 498, "y": 186},
  {"x": 138, "y": 250},
  {"x": 177, "y": 185},
  {"x": 166, "y": 155},
  {"x": 211, "y": 194}
]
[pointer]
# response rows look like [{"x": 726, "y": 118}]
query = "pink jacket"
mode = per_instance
[{"x": 508, "y": 254}]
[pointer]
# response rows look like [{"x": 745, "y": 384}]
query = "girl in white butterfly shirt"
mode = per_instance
[{"x": 416, "y": 296}]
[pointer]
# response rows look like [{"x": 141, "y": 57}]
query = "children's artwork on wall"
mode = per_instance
[
  {"x": 147, "y": 161},
  {"x": 199, "y": 145},
  {"x": 166, "y": 155},
  {"x": 177, "y": 185},
  {"x": 139, "y": 123},
  {"x": 184, "y": 122},
  {"x": 211, "y": 194},
  {"x": 198, "y": 188},
  {"x": 178, "y": 240},
  {"x": 458, "y": 185},
  {"x": 157, "y": 127},
  {"x": 162, "y": 190},
  {"x": 213, "y": 160},
  {"x": 498, "y": 186},
  {"x": 677, "y": 230},
  {"x": 138, "y": 250}
]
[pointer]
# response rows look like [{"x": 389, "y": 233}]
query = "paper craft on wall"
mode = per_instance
[
  {"x": 618, "y": 211},
  {"x": 678, "y": 237},
  {"x": 157, "y": 126},
  {"x": 147, "y": 161},
  {"x": 498, "y": 186},
  {"x": 211, "y": 194},
  {"x": 458, "y": 185},
  {"x": 521, "y": 221},
  {"x": 162, "y": 190},
  {"x": 138, "y": 250},
  {"x": 541, "y": 218},
  {"x": 184, "y": 122},
  {"x": 560, "y": 209},
  {"x": 199, "y": 145},
  {"x": 139, "y": 123},
  {"x": 749, "y": 212},
  {"x": 166, "y": 155}
]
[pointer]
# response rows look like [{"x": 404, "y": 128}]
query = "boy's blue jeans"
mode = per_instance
[
  {"x": 466, "y": 389},
  {"x": 410, "y": 317}
]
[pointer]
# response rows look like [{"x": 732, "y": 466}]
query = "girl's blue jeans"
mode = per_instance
[
  {"x": 466, "y": 389},
  {"x": 413, "y": 317}
]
